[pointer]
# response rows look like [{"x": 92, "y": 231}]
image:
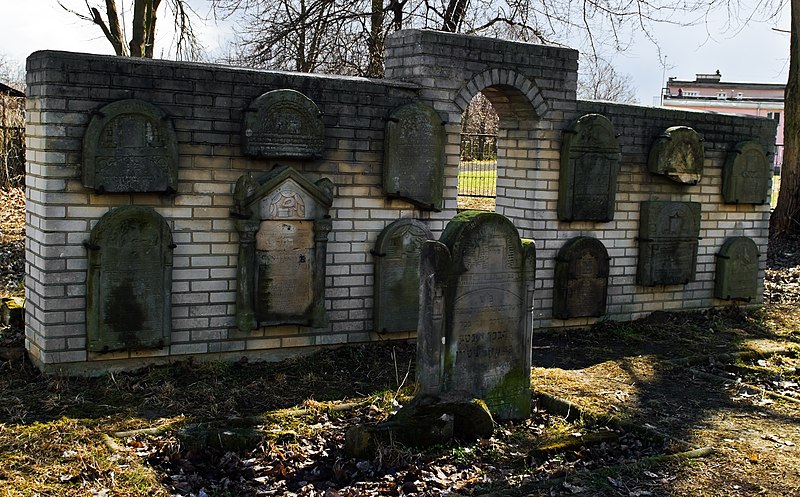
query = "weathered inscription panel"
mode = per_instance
[
  {"x": 130, "y": 146},
  {"x": 747, "y": 173},
  {"x": 737, "y": 270},
  {"x": 414, "y": 156},
  {"x": 285, "y": 254},
  {"x": 283, "y": 124},
  {"x": 678, "y": 154},
  {"x": 283, "y": 233},
  {"x": 129, "y": 281},
  {"x": 668, "y": 241},
  {"x": 590, "y": 157},
  {"x": 581, "y": 279},
  {"x": 482, "y": 281},
  {"x": 397, "y": 254}
]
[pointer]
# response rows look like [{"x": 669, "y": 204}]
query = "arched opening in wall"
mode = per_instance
[
  {"x": 498, "y": 137},
  {"x": 477, "y": 171}
]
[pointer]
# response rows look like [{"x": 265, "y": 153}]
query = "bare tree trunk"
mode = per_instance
[
  {"x": 454, "y": 15},
  {"x": 375, "y": 42},
  {"x": 140, "y": 11},
  {"x": 150, "y": 37},
  {"x": 786, "y": 216}
]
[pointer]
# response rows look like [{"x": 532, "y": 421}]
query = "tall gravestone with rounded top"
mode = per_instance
[
  {"x": 476, "y": 296},
  {"x": 129, "y": 282}
]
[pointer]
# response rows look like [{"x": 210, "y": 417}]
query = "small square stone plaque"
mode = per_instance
[{"x": 668, "y": 241}]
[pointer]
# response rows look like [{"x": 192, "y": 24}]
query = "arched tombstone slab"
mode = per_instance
[
  {"x": 397, "y": 254},
  {"x": 283, "y": 124},
  {"x": 668, "y": 241},
  {"x": 283, "y": 225},
  {"x": 587, "y": 184},
  {"x": 413, "y": 166},
  {"x": 746, "y": 176},
  {"x": 129, "y": 282},
  {"x": 581, "y": 279},
  {"x": 737, "y": 270},
  {"x": 130, "y": 146},
  {"x": 476, "y": 299},
  {"x": 678, "y": 154}
]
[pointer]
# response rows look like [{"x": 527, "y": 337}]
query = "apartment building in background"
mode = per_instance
[{"x": 709, "y": 93}]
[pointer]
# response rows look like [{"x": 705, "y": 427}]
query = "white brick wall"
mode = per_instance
[{"x": 534, "y": 91}]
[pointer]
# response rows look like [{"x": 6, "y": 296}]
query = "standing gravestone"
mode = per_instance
[
  {"x": 476, "y": 297},
  {"x": 581, "y": 279},
  {"x": 414, "y": 156},
  {"x": 678, "y": 154},
  {"x": 129, "y": 281},
  {"x": 746, "y": 176},
  {"x": 283, "y": 225},
  {"x": 283, "y": 124},
  {"x": 397, "y": 253},
  {"x": 130, "y": 146},
  {"x": 587, "y": 184},
  {"x": 737, "y": 270},
  {"x": 668, "y": 241}
]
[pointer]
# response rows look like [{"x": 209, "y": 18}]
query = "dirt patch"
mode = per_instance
[{"x": 12, "y": 241}]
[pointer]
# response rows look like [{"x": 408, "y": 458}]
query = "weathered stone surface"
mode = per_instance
[
  {"x": 678, "y": 154},
  {"x": 11, "y": 311},
  {"x": 581, "y": 279},
  {"x": 747, "y": 174},
  {"x": 283, "y": 225},
  {"x": 397, "y": 253},
  {"x": 590, "y": 157},
  {"x": 130, "y": 281},
  {"x": 668, "y": 240},
  {"x": 737, "y": 270},
  {"x": 414, "y": 156},
  {"x": 475, "y": 328},
  {"x": 283, "y": 124},
  {"x": 426, "y": 421},
  {"x": 130, "y": 146}
]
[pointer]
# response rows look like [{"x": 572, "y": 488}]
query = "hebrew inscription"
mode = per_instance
[
  {"x": 590, "y": 157},
  {"x": 283, "y": 232},
  {"x": 397, "y": 254},
  {"x": 414, "y": 156},
  {"x": 129, "y": 281},
  {"x": 130, "y": 146},
  {"x": 668, "y": 241},
  {"x": 479, "y": 276},
  {"x": 581, "y": 279},
  {"x": 747, "y": 174},
  {"x": 737, "y": 270},
  {"x": 283, "y": 124},
  {"x": 678, "y": 154}
]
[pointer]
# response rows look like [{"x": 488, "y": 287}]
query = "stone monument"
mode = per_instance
[
  {"x": 283, "y": 124},
  {"x": 129, "y": 281},
  {"x": 587, "y": 184},
  {"x": 747, "y": 174},
  {"x": 581, "y": 279},
  {"x": 414, "y": 156},
  {"x": 397, "y": 253},
  {"x": 283, "y": 224},
  {"x": 678, "y": 154},
  {"x": 476, "y": 299},
  {"x": 130, "y": 146},
  {"x": 737, "y": 270},
  {"x": 668, "y": 241}
]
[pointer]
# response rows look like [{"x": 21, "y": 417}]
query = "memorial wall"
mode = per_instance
[{"x": 182, "y": 209}]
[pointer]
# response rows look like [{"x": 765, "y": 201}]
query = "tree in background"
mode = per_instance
[
  {"x": 12, "y": 123},
  {"x": 143, "y": 26},
  {"x": 786, "y": 216},
  {"x": 598, "y": 80}
]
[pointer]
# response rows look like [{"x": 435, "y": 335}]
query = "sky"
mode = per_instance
[{"x": 756, "y": 53}]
